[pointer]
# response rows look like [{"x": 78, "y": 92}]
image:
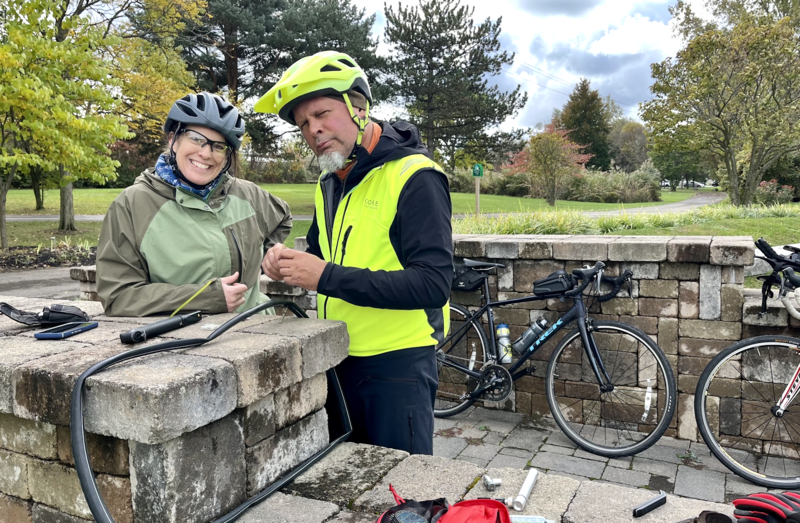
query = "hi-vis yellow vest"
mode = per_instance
[{"x": 359, "y": 237}]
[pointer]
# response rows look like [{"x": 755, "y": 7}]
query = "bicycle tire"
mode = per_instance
[
  {"x": 733, "y": 402},
  {"x": 626, "y": 420},
  {"x": 452, "y": 395}
]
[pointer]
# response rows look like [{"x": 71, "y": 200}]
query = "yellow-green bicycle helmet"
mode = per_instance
[{"x": 325, "y": 73}]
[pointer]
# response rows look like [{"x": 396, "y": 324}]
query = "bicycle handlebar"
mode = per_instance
[
  {"x": 782, "y": 275},
  {"x": 588, "y": 275}
]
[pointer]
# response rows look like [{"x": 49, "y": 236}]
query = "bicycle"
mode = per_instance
[
  {"x": 609, "y": 387},
  {"x": 744, "y": 401}
]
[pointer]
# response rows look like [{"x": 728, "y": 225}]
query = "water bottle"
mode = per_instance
[
  {"x": 530, "y": 335},
  {"x": 504, "y": 343}
]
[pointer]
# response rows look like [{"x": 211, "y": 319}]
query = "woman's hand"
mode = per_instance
[
  {"x": 234, "y": 292},
  {"x": 270, "y": 261}
]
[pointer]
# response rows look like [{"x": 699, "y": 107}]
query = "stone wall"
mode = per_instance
[
  {"x": 688, "y": 295},
  {"x": 178, "y": 436}
]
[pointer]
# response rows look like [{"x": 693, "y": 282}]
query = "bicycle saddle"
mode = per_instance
[{"x": 479, "y": 265}]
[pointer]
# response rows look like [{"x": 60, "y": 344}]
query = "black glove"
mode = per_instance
[{"x": 55, "y": 315}]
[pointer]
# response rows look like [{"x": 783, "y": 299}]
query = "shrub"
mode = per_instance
[
  {"x": 641, "y": 185},
  {"x": 773, "y": 193}
]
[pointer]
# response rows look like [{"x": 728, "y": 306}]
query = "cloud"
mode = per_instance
[
  {"x": 655, "y": 11},
  {"x": 571, "y": 8},
  {"x": 584, "y": 63}
]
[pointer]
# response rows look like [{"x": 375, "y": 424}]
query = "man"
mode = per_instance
[{"x": 379, "y": 247}]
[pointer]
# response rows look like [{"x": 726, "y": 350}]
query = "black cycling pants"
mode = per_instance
[{"x": 390, "y": 397}]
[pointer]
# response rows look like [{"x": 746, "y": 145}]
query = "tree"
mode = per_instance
[
  {"x": 440, "y": 66},
  {"x": 549, "y": 160},
  {"x": 243, "y": 47},
  {"x": 628, "y": 144},
  {"x": 737, "y": 88},
  {"x": 57, "y": 96},
  {"x": 585, "y": 118}
]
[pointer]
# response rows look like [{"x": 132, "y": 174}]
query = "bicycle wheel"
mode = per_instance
[
  {"x": 735, "y": 407},
  {"x": 468, "y": 350},
  {"x": 629, "y": 417}
]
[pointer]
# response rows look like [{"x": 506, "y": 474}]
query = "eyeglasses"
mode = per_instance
[{"x": 196, "y": 138}]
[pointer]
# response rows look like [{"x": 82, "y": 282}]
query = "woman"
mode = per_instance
[{"x": 189, "y": 231}]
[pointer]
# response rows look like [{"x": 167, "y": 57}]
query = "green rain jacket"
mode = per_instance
[{"x": 160, "y": 245}]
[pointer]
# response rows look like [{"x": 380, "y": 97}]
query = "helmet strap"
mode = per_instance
[{"x": 361, "y": 123}]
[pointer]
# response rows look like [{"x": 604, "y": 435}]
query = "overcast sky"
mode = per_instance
[{"x": 557, "y": 42}]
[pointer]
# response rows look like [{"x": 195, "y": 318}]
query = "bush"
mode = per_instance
[
  {"x": 641, "y": 185},
  {"x": 773, "y": 193},
  {"x": 461, "y": 181}
]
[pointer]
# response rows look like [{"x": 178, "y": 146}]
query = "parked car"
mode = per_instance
[
  {"x": 693, "y": 184},
  {"x": 664, "y": 183}
]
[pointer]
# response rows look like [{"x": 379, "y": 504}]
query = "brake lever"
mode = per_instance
[{"x": 598, "y": 279}]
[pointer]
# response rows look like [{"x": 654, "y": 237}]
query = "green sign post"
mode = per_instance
[{"x": 477, "y": 173}]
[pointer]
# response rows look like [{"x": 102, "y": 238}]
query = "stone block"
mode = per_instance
[
  {"x": 108, "y": 455},
  {"x": 14, "y": 510},
  {"x": 687, "y": 425},
  {"x": 701, "y": 348},
  {"x": 582, "y": 248},
  {"x": 505, "y": 278},
  {"x": 45, "y": 514},
  {"x": 668, "y": 335},
  {"x": 690, "y": 366},
  {"x": 274, "y": 288},
  {"x": 526, "y": 272},
  {"x": 18, "y": 350},
  {"x": 502, "y": 248},
  {"x": 538, "y": 248},
  {"x": 559, "y": 304},
  {"x": 689, "y": 249},
  {"x": 511, "y": 316},
  {"x": 620, "y": 306},
  {"x": 648, "y": 325},
  {"x": 324, "y": 343},
  {"x": 298, "y": 401},
  {"x": 710, "y": 286},
  {"x": 58, "y": 486},
  {"x": 721, "y": 330},
  {"x": 14, "y": 474},
  {"x": 732, "y": 274},
  {"x": 680, "y": 271},
  {"x": 732, "y": 300},
  {"x": 469, "y": 246},
  {"x": 287, "y": 448},
  {"x": 421, "y": 477},
  {"x": 658, "y": 307},
  {"x": 641, "y": 271},
  {"x": 263, "y": 364},
  {"x": 85, "y": 273},
  {"x": 280, "y": 508},
  {"x": 197, "y": 476},
  {"x": 732, "y": 251},
  {"x": 157, "y": 399},
  {"x": 687, "y": 383},
  {"x": 658, "y": 288},
  {"x": 775, "y": 315},
  {"x": 259, "y": 420},
  {"x": 643, "y": 249},
  {"x": 301, "y": 243},
  {"x": 689, "y": 299},
  {"x": 347, "y": 472},
  {"x": 28, "y": 437}
]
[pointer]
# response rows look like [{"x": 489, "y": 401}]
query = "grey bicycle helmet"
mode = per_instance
[{"x": 207, "y": 110}]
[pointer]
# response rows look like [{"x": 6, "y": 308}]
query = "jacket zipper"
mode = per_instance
[
  {"x": 333, "y": 253},
  {"x": 411, "y": 428},
  {"x": 239, "y": 252},
  {"x": 344, "y": 244}
]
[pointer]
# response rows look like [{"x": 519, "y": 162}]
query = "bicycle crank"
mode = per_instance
[{"x": 496, "y": 383}]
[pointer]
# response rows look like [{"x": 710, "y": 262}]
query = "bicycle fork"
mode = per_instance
[
  {"x": 598, "y": 367},
  {"x": 789, "y": 394}
]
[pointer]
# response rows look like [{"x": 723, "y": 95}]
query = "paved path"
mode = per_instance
[
  {"x": 696, "y": 201},
  {"x": 40, "y": 283},
  {"x": 496, "y": 439}
]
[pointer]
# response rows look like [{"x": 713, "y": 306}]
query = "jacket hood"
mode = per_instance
[{"x": 398, "y": 140}]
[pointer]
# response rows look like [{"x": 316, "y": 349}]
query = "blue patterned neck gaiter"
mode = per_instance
[{"x": 165, "y": 172}]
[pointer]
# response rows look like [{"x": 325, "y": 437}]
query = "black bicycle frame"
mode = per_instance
[{"x": 577, "y": 311}]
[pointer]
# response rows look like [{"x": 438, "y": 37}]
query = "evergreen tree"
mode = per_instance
[
  {"x": 585, "y": 118},
  {"x": 440, "y": 65}
]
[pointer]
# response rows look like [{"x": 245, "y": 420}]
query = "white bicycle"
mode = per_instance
[{"x": 745, "y": 401}]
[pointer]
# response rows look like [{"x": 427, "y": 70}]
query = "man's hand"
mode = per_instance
[
  {"x": 301, "y": 268},
  {"x": 270, "y": 261},
  {"x": 234, "y": 292}
]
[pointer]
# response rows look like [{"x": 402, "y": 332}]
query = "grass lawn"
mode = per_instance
[
  {"x": 300, "y": 198},
  {"x": 777, "y": 231},
  {"x": 27, "y": 234}
]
